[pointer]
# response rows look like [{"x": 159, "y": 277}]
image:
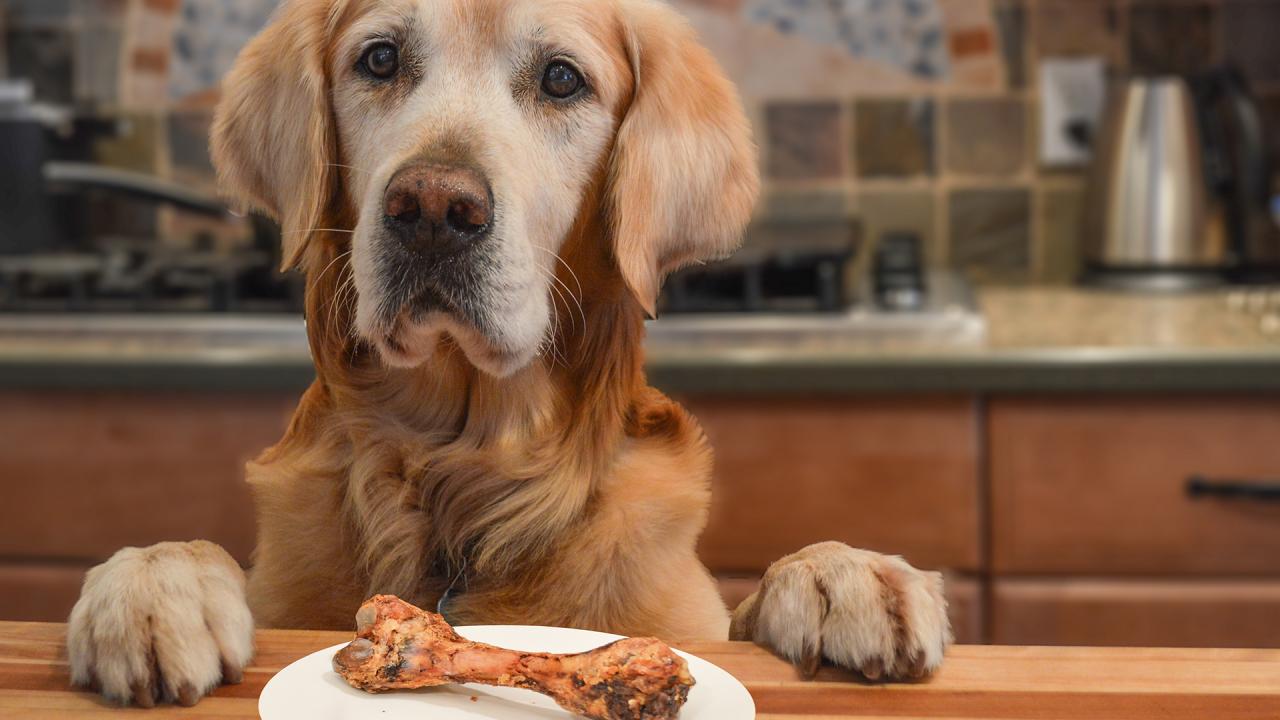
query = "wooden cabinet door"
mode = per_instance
[
  {"x": 1099, "y": 485},
  {"x": 1187, "y": 613},
  {"x": 87, "y": 473},
  {"x": 895, "y": 475}
]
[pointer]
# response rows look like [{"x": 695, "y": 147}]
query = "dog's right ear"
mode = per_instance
[
  {"x": 683, "y": 177},
  {"x": 273, "y": 142}
]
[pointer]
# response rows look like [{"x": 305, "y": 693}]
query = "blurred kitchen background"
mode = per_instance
[{"x": 1010, "y": 306}]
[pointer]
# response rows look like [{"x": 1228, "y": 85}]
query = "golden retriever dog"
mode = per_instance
[{"x": 485, "y": 196}]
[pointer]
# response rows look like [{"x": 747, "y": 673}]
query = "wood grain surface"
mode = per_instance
[
  {"x": 1008, "y": 683},
  {"x": 1097, "y": 486}
]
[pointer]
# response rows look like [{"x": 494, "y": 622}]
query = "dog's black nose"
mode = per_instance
[{"x": 438, "y": 208}]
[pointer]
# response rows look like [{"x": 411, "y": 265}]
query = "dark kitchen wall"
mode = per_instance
[
  {"x": 919, "y": 115},
  {"x": 925, "y": 115}
]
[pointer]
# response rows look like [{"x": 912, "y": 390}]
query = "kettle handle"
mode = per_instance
[
  {"x": 1250, "y": 181},
  {"x": 1252, "y": 158}
]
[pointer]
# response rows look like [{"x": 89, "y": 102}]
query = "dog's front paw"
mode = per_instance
[
  {"x": 166, "y": 623},
  {"x": 857, "y": 609}
]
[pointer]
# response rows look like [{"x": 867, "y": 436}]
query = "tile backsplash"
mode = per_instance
[
  {"x": 924, "y": 114},
  {"x": 907, "y": 115}
]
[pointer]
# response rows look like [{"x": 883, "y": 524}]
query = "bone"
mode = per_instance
[{"x": 399, "y": 646}]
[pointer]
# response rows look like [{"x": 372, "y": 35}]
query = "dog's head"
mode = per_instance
[{"x": 467, "y": 138}]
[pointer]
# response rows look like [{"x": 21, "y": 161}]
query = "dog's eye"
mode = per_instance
[
  {"x": 560, "y": 80},
  {"x": 382, "y": 61}
]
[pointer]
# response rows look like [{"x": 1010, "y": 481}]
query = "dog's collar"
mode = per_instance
[{"x": 452, "y": 592}]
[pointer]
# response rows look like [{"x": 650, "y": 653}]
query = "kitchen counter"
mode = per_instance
[
  {"x": 1015, "y": 683},
  {"x": 1034, "y": 340}
]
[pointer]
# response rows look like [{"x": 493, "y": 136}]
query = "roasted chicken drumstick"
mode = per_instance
[{"x": 399, "y": 646}]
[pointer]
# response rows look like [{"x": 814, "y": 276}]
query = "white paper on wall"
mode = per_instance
[{"x": 1072, "y": 94}]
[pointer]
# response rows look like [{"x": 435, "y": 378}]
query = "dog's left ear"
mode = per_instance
[
  {"x": 272, "y": 140},
  {"x": 683, "y": 178}
]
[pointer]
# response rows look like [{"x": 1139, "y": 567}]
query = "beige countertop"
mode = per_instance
[
  {"x": 1034, "y": 339},
  {"x": 1048, "y": 318}
]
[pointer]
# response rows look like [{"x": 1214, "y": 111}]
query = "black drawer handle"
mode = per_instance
[{"x": 1199, "y": 486}]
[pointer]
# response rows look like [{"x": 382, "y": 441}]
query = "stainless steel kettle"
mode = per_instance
[{"x": 1179, "y": 180}]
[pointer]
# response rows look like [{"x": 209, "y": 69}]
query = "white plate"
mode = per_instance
[{"x": 309, "y": 688}]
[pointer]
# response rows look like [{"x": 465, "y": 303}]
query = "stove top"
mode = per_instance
[{"x": 137, "y": 277}]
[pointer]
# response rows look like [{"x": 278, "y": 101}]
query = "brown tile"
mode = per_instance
[
  {"x": 1074, "y": 28},
  {"x": 986, "y": 136},
  {"x": 893, "y": 138},
  {"x": 1249, "y": 29},
  {"x": 991, "y": 233},
  {"x": 891, "y": 211},
  {"x": 1170, "y": 37},
  {"x": 972, "y": 42},
  {"x": 1061, "y": 216},
  {"x": 804, "y": 140},
  {"x": 1011, "y": 22}
]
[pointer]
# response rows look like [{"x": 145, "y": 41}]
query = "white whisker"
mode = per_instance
[
  {"x": 313, "y": 230},
  {"x": 349, "y": 167}
]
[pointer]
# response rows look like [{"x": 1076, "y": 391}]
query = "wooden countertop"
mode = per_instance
[{"x": 1008, "y": 683}]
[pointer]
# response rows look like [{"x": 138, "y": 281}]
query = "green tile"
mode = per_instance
[{"x": 990, "y": 233}]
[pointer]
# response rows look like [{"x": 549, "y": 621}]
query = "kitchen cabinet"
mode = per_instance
[
  {"x": 1100, "y": 486},
  {"x": 1165, "y": 612},
  {"x": 89, "y": 473},
  {"x": 892, "y": 475},
  {"x": 1058, "y": 519}
]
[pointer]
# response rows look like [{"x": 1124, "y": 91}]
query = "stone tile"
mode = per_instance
[
  {"x": 803, "y": 140},
  {"x": 973, "y": 43},
  {"x": 991, "y": 233},
  {"x": 1169, "y": 38},
  {"x": 1076, "y": 28},
  {"x": 986, "y": 136},
  {"x": 1011, "y": 22},
  {"x": 1249, "y": 29},
  {"x": 894, "y": 138},
  {"x": 903, "y": 35},
  {"x": 912, "y": 211},
  {"x": 1061, "y": 217}
]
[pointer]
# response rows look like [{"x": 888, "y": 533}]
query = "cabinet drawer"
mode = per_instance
[
  {"x": 893, "y": 475},
  {"x": 1152, "y": 614},
  {"x": 88, "y": 473},
  {"x": 1099, "y": 486}
]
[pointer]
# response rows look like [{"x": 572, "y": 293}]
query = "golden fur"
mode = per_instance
[
  {"x": 534, "y": 482},
  {"x": 564, "y": 491}
]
